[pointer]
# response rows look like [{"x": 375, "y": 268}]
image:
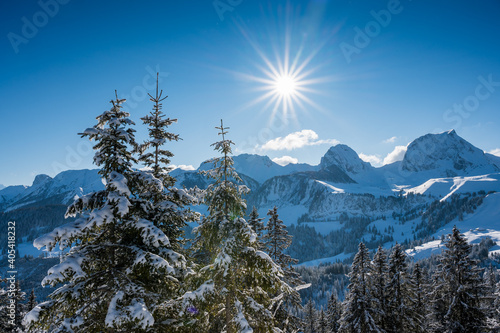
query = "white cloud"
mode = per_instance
[
  {"x": 372, "y": 159},
  {"x": 182, "y": 167},
  {"x": 495, "y": 152},
  {"x": 396, "y": 155},
  {"x": 296, "y": 140},
  {"x": 391, "y": 140},
  {"x": 284, "y": 160}
]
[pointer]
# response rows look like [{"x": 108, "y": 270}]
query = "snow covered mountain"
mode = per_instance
[
  {"x": 446, "y": 155},
  {"x": 46, "y": 190},
  {"x": 8, "y": 194},
  {"x": 262, "y": 168},
  {"x": 346, "y": 159},
  {"x": 342, "y": 189},
  {"x": 434, "y": 164}
]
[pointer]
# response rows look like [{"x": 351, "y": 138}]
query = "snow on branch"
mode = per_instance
[
  {"x": 34, "y": 314},
  {"x": 240, "y": 320},
  {"x": 151, "y": 234},
  {"x": 118, "y": 183},
  {"x": 199, "y": 294},
  {"x": 71, "y": 266},
  {"x": 63, "y": 234},
  {"x": 151, "y": 259},
  {"x": 119, "y": 314}
]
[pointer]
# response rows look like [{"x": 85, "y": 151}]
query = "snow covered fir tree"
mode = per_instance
[
  {"x": 458, "y": 290},
  {"x": 359, "y": 313},
  {"x": 121, "y": 262},
  {"x": 385, "y": 297},
  {"x": 236, "y": 284},
  {"x": 276, "y": 241}
]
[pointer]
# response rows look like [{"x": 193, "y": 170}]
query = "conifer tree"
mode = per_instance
[
  {"x": 275, "y": 241},
  {"x": 12, "y": 307},
  {"x": 358, "y": 314},
  {"x": 333, "y": 313},
  {"x": 378, "y": 283},
  {"x": 167, "y": 202},
  {"x": 418, "y": 298},
  {"x": 120, "y": 265},
  {"x": 5, "y": 325},
  {"x": 234, "y": 284},
  {"x": 496, "y": 305},
  {"x": 257, "y": 225},
  {"x": 457, "y": 289},
  {"x": 310, "y": 317},
  {"x": 322, "y": 324},
  {"x": 489, "y": 280},
  {"x": 32, "y": 300},
  {"x": 400, "y": 315},
  {"x": 20, "y": 306}
]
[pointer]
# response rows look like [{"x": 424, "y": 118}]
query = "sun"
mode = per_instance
[
  {"x": 286, "y": 81},
  {"x": 285, "y": 85},
  {"x": 287, "y": 71}
]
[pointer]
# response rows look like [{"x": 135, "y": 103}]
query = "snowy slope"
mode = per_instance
[
  {"x": 493, "y": 159},
  {"x": 485, "y": 222},
  {"x": 445, "y": 187},
  {"x": 329, "y": 260},
  {"x": 358, "y": 188}
]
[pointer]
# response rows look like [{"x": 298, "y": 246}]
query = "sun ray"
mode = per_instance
[{"x": 288, "y": 69}]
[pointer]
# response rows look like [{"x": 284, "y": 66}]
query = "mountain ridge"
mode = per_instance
[{"x": 429, "y": 157}]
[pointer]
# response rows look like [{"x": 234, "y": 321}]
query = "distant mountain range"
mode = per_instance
[
  {"x": 435, "y": 164},
  {"x": 61, "y": 189},
  {"x": 434, "y": 167}
]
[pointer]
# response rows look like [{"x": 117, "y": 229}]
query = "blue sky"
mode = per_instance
[{"x": 416, "y": 67}]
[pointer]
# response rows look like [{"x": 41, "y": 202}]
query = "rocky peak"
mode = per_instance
[
  {"x": 40, "y": 179},
  {"x": 447, "y": 153},
  {"x": 345, "y": 158}
]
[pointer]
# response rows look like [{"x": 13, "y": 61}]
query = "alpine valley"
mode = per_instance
[{"x": 442, "y": 181}]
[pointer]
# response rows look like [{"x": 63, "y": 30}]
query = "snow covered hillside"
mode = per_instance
[{"x": 484, "y": 223}]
